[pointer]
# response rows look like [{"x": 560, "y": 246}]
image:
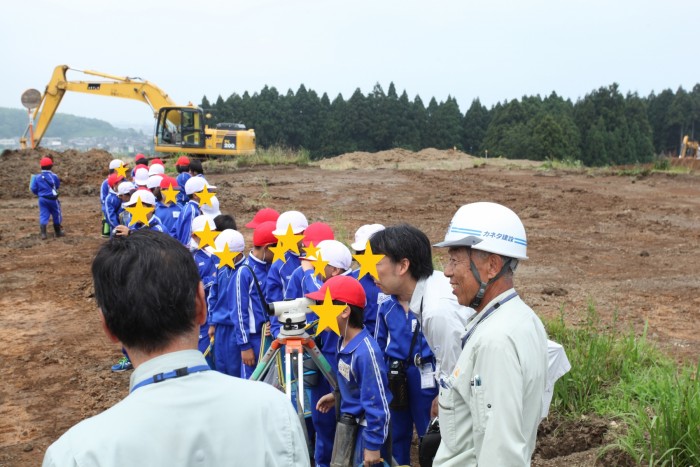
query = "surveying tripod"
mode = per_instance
[{"x": 298, "y": 344}]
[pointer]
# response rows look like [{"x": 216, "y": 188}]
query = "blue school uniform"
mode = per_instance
[
  {"x": 168, "y": 215},
  {"x": 182, "y": 230},
  {"x": 364, "y": 393},
  {"x": 222, "y": 295},
  {"x": 45, "y": 185},
  {"x": 395, "y": 329},
  {"x": 374, "y": 298},
  {"x": 277, "y": 280}
]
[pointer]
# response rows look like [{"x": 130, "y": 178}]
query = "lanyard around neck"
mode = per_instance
[
  {"x": 485, "y": 315},
  {"x": 160, "y": 377}
]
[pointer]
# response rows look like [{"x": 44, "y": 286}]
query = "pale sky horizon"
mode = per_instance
[{"x": 492, "y": 50}]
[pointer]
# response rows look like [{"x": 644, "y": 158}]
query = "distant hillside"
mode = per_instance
[{"x": 13, "y": 122}]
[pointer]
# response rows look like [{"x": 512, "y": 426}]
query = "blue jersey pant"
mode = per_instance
[
  {"x": 227, "y": 355},
  {"x": 50, "y": 208},
  {"x": 324, "y": 424},
  {"x": 417, "y": 412},
  {"x": 204, "y": 344},
  {"x": 359, "y": 455},
  {"x": 247, "y": 371}
]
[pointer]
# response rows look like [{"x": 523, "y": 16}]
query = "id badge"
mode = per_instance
[{"x": 427, "y": 376}]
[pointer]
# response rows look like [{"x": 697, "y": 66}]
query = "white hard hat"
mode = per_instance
[
  {"x": 197, "y": 184},
  {"x": 232, "y": 238},
  {"x": 145, "y": 196},
  {"x": 294, "y": 218},
  {"x": 200, "y": 221},
  {"x": 336, "y": 253},
  {"x": 363, "y": 234},
  {"x": 154, "y": 181},
  {"x": 125, "y": 188},
  {"x": 156, "y": 169},
  {"x": 114, "y": 163},
  {"x": 141, "y": 177},
  {"x": 213, "y": 210},
  {"x": 489, "y": 227}
]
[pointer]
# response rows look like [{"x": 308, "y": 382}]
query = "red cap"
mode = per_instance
[
  {"x": 113, "y": 179},
  {"x": 317, "y": 232},
  {"x": 263, "y": 234},
  {"x": 263, "y": 215},
  {"x": 345, "y": 289},
  {"x": 45, "y": 162},
  {"x": 139, "y": 157},
  {"x": 140, "y": 166},
  {"x": 182, "y": 160},
  {"x": 166, "y": 181},
  {"x": 156, "y": 161}
]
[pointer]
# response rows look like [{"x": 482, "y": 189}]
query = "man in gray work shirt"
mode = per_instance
[
  {"x": 178, "y": 412},
  {"x": 491, "y": 404}
]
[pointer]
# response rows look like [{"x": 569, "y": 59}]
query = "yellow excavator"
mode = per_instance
[
  {"x": 689, "y": 149},
  {"x": 179, "y": 129}
]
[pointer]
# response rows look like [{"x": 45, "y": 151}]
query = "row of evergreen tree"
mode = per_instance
[{"x": 603, "y": 128}]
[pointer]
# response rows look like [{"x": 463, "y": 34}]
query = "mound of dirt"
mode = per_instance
[
  {"x": 429, "y": 158},
  {"x": 81, "y": 173}
]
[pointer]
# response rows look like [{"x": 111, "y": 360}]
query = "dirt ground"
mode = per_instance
[{"x": 627, "y": 244}]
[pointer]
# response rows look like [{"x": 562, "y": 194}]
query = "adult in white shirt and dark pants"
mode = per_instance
[
  {"x": 178, "y": 412},
  {"x": 491, "y": 404}
]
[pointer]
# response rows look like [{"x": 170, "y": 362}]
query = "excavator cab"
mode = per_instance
[{"x": 179, "y": 127}]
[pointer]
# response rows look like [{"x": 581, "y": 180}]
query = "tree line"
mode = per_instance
[{"x": 604, "y": 127}]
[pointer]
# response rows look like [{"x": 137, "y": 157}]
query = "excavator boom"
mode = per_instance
[{"x": 179, "y": 128}]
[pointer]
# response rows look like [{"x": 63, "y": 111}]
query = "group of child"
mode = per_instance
[{"x": 240, "y": 286}]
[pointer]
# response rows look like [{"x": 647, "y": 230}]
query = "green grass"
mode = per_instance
[
  {"x": 620, "y": 376},
  {"x": 275, "y": 155},
  {"x": 567, "y": 163}
]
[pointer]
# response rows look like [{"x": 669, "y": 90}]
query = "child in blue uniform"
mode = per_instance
[
  {"x": 361, "y": 375},
  {"x": 374, "y": 295},
  {"x": 222, "y": 303},
  {"x": 45, "y": 186}
]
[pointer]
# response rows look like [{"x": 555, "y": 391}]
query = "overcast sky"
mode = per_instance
[{"x": 495, "y": 50}]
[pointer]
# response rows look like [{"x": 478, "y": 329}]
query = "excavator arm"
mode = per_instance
[
  {"x": 117, "y": 86},
  {"x": 179, "y": 128}
]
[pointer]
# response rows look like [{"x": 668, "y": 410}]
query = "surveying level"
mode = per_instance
[{"x": 297, "y": 342}]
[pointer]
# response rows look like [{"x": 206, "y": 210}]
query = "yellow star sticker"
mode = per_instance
[
  {"x": 278, "y": 251},
  {"x": 121, "y": 170},
  {"x": 139, "y": 213},
  {"x": 226, "y": 257},
  {"x": 310, "y": 250},
  {"x": 327, "y": 314},
  {"x": 290, "y": 241},
  {"x": 169, "y": 194},
  {"x": 205, "y": 197},
  {"x": 320, "y": 265},
  {"x": 206, "y": 236},
  {"x": 368, "y": 262}
]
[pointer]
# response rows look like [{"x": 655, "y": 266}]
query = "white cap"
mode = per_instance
[
  {"x": 125, "y": 188},
  {"x": 363, "y": 234},
  {"x": 336, "y": 253},
  {"x": 232, "y": 238},
  {"x": 213, "y": 210},
  {"x": 141, "y": 176},
  {"x": 145, "y": 196},
  {"x": 154, "y": 181},
  {"x": 114, "y": 163},
  {"x": 196, "y": 184},
  {"x": 294, "y": 218},
  {"x": 156, "y": 169},
  {"x": 200, "y": 221}
]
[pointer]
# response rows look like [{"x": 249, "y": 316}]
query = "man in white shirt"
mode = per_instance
[
  {"x": 178, "y": 412},
  {"x": 491, "y": 404},
  {"x": 407, "y": 273}
]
